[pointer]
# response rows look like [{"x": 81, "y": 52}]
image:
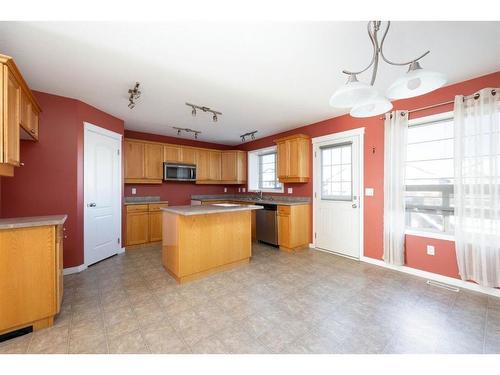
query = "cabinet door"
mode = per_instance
[
  {"x": 11, "y": 127},
  {"x": 215, "y": 165},
  {"x": 172, "y": 154},
  {"x": 137, "y": 228},
  {"x": 293, "y": 158},
  {"x": 155, "y": 226},
  {"x": 229, "y": 166},
  {"x": 188, "y": 155},
  {"x": 282, "y": 160},
  {"x": 284, "y": 230},
  {"x": 134, "y": 159},
  {"x": 202, "y": 165},
  {"x": 59, "y": 266},
  {"x": 154, "y": 161},
  {"x": 25, "y": 111}
]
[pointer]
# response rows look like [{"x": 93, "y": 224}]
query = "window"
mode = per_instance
[
  {"x": 336, "y": 172},
  {"x": 262, "y": 171},
  {"x": 430, "y": 174}
]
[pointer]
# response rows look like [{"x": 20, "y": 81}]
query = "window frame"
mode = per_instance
[
  {"x": 440, "y": 210},
  {"x": 254, "y": 170},
  {"x": 339, "y": 198}
]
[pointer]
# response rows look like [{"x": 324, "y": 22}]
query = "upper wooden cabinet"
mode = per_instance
[
  {"x": 233, "y": 166},
  {"x": 294, "y": 154},
  {"x": 19, "y": 110},
  {"x": 143, "y": 162}
]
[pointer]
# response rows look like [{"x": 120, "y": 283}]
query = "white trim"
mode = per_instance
[
  {"x": 434, "y": 276},
  {"x": 435, "y": 235},
  {"x": 98, "y": 129},
  {"x": 121, "y": 251},
  {"x": 77, "y": 269},
  {"x": 311, "y": 246},
  {"x": 339, "y": 135},
  {"x": 335, "y": 253},
  {"x": 88, "y": 127},
  {"x": 360, "y": 132}
]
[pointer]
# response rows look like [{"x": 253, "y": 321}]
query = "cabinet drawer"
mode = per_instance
[
  {"x": 284, "y": 210},
  {"x": 157, "y": 206},
  {"x": 137, "y": 208}
]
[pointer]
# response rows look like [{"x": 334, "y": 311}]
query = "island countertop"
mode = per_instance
[
  {"x": 33, "y": 221},
  {"x": 209, "y": 209}
]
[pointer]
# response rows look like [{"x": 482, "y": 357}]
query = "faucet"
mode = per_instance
[{"x": 259, "y": 194}]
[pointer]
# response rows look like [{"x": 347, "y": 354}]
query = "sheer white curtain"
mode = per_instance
[
  {"x": 477, "y": 187},
  {"x": 396, "y": 130}
]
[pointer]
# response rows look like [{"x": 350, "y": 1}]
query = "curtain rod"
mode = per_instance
[{"x": 473, "y": 96}]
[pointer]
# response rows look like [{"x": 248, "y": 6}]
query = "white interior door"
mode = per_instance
[
  {"x": 337, "y": 190},
  {"x": 102, "y": 193}
]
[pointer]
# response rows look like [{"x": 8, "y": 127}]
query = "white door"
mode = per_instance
[
  {"x": 102, "y": 193},
  {"x": 337, "y": 201}
]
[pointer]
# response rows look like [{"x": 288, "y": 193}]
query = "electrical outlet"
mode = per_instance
[
  {"x": 134, "y": 191},
  {"x": 430, "y": 250},
  {"x": 225, "y": 190},
  {"x": 369, "y": 192},
  {"x": 290, "y": 190},
  {"x": 243, "y": 189},
  {"x": 239, "y": 190}
]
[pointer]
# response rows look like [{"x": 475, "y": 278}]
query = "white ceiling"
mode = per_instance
[{"x": 263, "y": 76}]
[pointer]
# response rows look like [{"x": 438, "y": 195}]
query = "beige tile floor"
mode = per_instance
[{"x": 308, "y": 302}]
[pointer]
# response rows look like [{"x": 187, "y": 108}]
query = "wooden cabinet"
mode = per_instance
[
  {"x": 188, "y": 155},
  {"x": 153, "y": 161},
  {"x": 294, "y": 227},
  {"x": 172, "y": 153},
  {"x": 31, "y": 276},
  {"x": 294, "y": 158},
  {"x": 143, "y": 162},
  {"x": 233, "y": 167},
  {"x": 144, "y": 223},
  {"x": 18, "y": 110}
]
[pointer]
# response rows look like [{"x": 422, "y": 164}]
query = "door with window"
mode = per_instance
[{"x": 337, "y": 195}]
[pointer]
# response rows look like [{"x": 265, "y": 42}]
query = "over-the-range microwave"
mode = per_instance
[{"x": 179, "y": 172}]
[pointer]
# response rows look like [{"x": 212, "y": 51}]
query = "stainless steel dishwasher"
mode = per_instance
[{"x": 267, "y": 224}]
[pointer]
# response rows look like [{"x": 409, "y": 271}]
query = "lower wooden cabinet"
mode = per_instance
[
  {"x": 294, "y": 229},
  {"x": 31, "y": 276},
  {"x": 144, "y": 223}
]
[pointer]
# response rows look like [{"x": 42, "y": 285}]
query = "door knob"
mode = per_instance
[
  {"x": 91, "y": 204},
  {"x": 354, "y": 205}
]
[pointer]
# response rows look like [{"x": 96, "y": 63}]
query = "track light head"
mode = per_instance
[
  {"x": 131, "y": 104},
  {"x": 214, "y": 117},
  {"x": 193, "y": 112},
  {"x": 178, "y": 131}
]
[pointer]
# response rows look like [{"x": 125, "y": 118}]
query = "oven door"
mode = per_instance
[{"x": 179, "y": 172}]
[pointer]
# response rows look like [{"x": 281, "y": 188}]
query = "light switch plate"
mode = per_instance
[
  {"x": 134, "y": 191},
  {"x": 290, "y": 190},
  {"x": 430, "y": 250},
  {"x": 369, "y": 192}
]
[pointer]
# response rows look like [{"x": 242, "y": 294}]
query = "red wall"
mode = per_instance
[
  {"x": 444, "y": 262},
  {"x": 51, "y": 181}
]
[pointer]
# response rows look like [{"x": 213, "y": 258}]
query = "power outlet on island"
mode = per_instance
[{"x": 430, "y": 250}]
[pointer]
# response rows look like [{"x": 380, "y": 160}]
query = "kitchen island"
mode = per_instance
[{"x": 201, "y": 240}]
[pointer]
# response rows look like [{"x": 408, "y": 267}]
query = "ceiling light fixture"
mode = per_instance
[
  {"x": 204, "y": 109},
  {"x": 249, "y": 134},
  {"x": 134, "y": 94},
  {"x": 187, "y": 130},
  {"x": 364, "y": 100}
]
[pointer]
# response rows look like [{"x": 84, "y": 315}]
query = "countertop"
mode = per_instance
[
  {"x": 144, "y": 202},
  {"x": 280, "y": 201},
  {"x": 33, "y": 221},
  {"x": 208, "y": 209}
]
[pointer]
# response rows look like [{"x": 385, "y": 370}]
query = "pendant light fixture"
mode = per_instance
[{"x": 364, "y": 100}]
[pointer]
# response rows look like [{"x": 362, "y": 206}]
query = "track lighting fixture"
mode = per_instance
[
  {"x": 249, "y": 134},
  {"x": 194, "y": 107},
  {"x": 134, "y": 94},
  {"x": 187, "y": 130}
]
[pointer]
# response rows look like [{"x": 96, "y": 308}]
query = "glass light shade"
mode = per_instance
[
  {"x": 415, "y": 82},
  {"x": 371, "y": 107},
  {"x": 351, "y": 93}
]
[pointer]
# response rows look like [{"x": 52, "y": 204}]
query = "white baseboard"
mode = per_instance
[
  {"x": 311, "y": 246},
  {"x": 71, "y": 270},
  {"x": 434, "y": 276},
  {"x": 121, "y": 250}
]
